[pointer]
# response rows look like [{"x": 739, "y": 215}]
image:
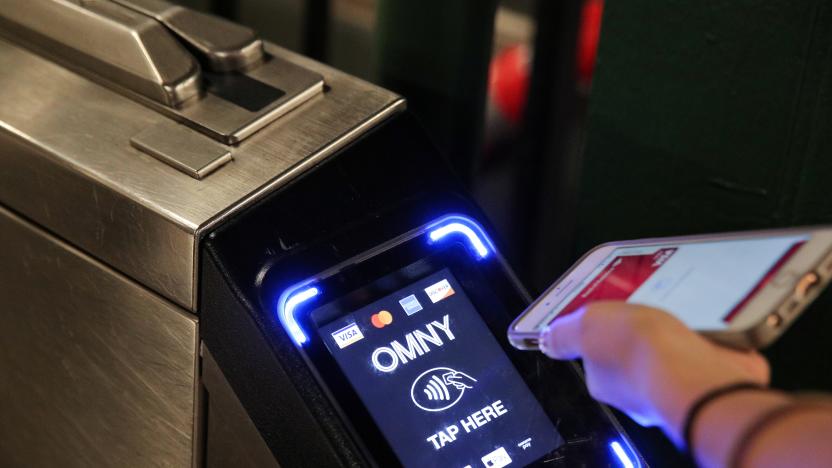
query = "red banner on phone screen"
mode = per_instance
[
  {"x": 768, "y": 277},
  {"x": 626, "y": 274},
  {"x": 620, "y": 279}
]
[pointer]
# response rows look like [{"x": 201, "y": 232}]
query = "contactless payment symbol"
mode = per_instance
[
  {"x": 438, "y": 291},
  {"x": 440, "y": 388},
  {"x": 381, "y": 319}
]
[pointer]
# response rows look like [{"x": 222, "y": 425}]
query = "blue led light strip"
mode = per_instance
[
  {"x": 289, "y": 301},
  {"x": 621, "y": 454},
  {"x": 436, "y": 231},
  {"x": 457, "y": 224}
]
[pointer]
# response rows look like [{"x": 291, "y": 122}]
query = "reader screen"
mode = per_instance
[{"x": 436, "y": 381}]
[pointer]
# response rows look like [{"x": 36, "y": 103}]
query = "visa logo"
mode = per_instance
[
  {"x": 438, "y": 291},
  {"x": 347, "y": 335}
]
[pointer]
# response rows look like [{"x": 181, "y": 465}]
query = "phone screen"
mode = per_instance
[{"x": 705, "y": 284}]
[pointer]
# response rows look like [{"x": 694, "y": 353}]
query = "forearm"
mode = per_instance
[
  {"x": 801, "y": 436},
  {"x": 721, "y": 424}
]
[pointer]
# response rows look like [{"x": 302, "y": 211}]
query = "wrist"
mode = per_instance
[
  {"x": 689, "y": 399},
  {"x": 700, "y": 404},
  {"x": 724, "y": 421},
  {"x": 794, "y": 434}
]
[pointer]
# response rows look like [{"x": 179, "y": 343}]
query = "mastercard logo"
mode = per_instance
[{"x": 381, "y": 319}]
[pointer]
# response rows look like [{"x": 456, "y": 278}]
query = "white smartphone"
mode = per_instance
[{"x": 740, "y": 289}]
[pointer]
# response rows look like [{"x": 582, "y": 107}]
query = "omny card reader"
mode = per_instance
[{"x": 359, "y": 315}]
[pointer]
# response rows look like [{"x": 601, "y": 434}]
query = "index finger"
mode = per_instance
[{"x": 561, "y": 339}]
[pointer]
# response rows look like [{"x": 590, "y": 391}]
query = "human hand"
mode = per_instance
[{"x": 646, "y": 362}]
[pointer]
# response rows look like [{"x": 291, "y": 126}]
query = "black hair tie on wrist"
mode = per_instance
[{"x": 702, "y": 402}]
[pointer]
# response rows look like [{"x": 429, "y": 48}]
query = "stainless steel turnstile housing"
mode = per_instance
[{"x": 127, "y": 129}]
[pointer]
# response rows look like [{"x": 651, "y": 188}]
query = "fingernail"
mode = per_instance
[{"x": 546, "y": 343}]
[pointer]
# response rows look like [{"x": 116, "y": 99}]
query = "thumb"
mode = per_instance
[{"x": 561, "y": 339}]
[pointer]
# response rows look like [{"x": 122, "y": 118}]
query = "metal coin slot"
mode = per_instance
[{"x": 242, "y": 90}]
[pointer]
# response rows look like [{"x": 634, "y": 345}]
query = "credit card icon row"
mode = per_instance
[
  {"x": 347, "y": 335},
  {"x": 439, "y": 291},
  {"x": 436, "y": 292},
  {"x": 410, "y": 304}
]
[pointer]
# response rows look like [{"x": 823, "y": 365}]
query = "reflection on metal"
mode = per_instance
[
  {"x": 222, "y": 45},
  {"x": 110, "y": 41},
  {"x": 228, "y": 122},
  {"x": 96, "y": 370},
  {"x": 140, "y": 48}
]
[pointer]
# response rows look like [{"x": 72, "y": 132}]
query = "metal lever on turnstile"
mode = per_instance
[
  {"x": 202, "y": 71},
  {"x": 134, "y": 42},
  {"x": 205, "y": 72},
  {"x": 223, "y": 45},
  {"x": 108, "y": 42}
]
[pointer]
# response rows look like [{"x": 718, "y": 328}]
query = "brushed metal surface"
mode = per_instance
[
  {"x": 95, "y": 370},
  {"x": 223, "y": 45},
  {"x": 66, "y": 162},
  {"x": 229, "y": 123},
  {"x": 182, "y": 148},
  {"x": 110, "y": 41},
  {"x": 133, "y": 47}
]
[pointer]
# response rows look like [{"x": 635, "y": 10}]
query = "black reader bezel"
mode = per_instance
[{"x": 497, "y": 296}]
